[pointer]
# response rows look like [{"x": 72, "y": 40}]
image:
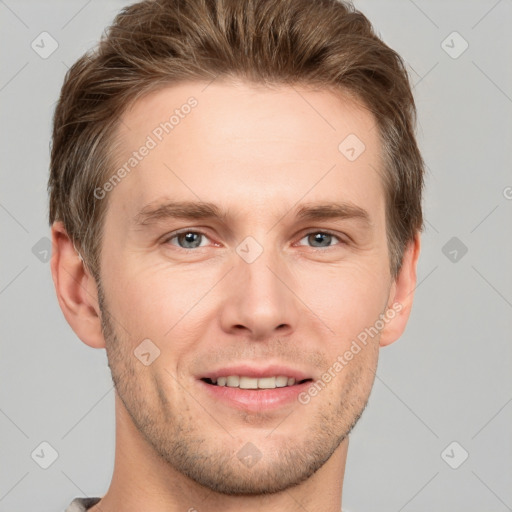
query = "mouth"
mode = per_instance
[
  {"x": 255, "y": 390},
  {"x": 254, "y": 383}
]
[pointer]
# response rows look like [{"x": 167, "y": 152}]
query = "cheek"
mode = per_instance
[
  {"x": 159, "y": 303},
  {"x": 347, "y": 298}
]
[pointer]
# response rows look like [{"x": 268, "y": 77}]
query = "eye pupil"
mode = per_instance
[
  {"x": 322, "y": 237},
  {"x": 190, "y": 238}
]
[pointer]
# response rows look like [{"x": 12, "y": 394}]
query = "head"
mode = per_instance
[{"x": 290, "y": 126}]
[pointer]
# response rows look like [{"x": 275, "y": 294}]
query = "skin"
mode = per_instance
[{"x": 259, "y": 154}]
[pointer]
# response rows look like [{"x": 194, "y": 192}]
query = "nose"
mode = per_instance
[{"x": 260, "y": 302}]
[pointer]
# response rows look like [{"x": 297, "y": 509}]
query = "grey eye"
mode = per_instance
[
  {"x": 188, "y": 239},
  {"x": 320, "y": 239}
]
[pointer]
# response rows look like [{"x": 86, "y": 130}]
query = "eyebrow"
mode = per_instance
[{"x": 189, "y": 210}]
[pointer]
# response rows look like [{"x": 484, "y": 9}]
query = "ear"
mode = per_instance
[
  {"x": 76, "y": 289},
  {"x": 401, "y": 295}
]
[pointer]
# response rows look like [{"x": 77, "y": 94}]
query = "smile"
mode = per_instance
[{"x": 245, "y": 382}]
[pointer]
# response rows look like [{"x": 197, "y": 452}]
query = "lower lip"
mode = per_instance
[{"x": 255, "y": 400}]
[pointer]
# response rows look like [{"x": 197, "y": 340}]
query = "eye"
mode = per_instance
[
  {"x": 187, "y": 239},
  {"x": 320, "y": 239},
  {"x": 190, "y": 239}
]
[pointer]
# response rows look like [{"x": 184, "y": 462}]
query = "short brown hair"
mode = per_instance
[{"x": 155, "y": 43}]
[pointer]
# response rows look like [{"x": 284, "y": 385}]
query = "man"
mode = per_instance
[{"x": 235, "y": 201}]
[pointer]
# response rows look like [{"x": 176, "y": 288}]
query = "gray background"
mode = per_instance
[{"x": 448, "y": 378}]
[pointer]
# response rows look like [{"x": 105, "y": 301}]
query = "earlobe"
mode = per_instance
[
  {"x": 76, "y": 289},
  {"x": 402, "y": 294}
]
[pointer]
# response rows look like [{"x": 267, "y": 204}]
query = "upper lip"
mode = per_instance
[{"x": 252, "y": 371}]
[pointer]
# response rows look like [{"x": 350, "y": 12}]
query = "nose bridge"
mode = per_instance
[
  {"x": 260, "y": 300},
  {"x": 257, "y": 271}
]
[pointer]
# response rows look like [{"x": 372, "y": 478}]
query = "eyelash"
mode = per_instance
[{"x": 175, "y": 234}]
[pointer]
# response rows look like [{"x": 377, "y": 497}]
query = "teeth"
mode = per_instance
[
  {"x": 242, "y": 382},
  {"x": 267, "y": 383},
  {"x": 281, "y": 382},
  {"x": 233, "y": 381},
  {"x": 248, "y": 383}
]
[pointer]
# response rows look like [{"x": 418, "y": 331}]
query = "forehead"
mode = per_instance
[{"x": 249, "y": 145}]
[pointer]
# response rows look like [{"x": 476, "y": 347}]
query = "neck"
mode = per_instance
[{"x": 142, "y": 480}]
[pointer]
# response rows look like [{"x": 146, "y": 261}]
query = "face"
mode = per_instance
[{"x": 245, "y": 243}]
